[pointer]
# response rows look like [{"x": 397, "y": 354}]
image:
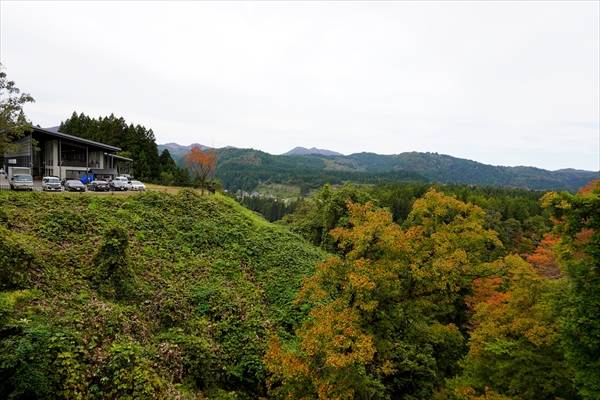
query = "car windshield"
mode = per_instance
[
  {"x": 75, "y": 183},
  {"x": 100, "y": 182},
  {"x": 136, "y": 183},
  {"x": 23, "y": 178},
  {"x": 52, "y": 180}
]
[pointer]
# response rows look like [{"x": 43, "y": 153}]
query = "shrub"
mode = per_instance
[
  {"x": 16, "y": 260},
  {"x": 112, "y": 270},
  {"x": 57, "y": 225}
]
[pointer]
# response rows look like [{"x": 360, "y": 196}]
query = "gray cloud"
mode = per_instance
[{"x": 501, "y": 83}]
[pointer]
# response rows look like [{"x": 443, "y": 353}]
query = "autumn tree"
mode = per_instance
[
  {"x": 515, "y": 345},
  {"x": 545, "y": 257},
  {"x": 316, "y": 216},
  {"x": 201, "y": 164},
  {"x": 578, "y": 224},
  {"x": 13, "y": 123},
  {"x": 385, "y": 317}
]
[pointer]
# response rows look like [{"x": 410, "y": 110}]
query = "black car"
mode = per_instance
[
  {"x": 99, "y": 186},
  {"x": 73, "y": 185}
]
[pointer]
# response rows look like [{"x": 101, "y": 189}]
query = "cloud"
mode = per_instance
[{"x": 502, "y": 83}]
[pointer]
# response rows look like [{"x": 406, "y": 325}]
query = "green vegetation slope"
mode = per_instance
[{"x": 155, "y": 294}]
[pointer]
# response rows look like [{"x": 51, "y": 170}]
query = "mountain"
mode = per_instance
[
  {"x": 303, "y": 151},
  {"x": 185, "y": 288},
  {"x": 178, "y": 150},
  {"x": 246, "y": 169}
]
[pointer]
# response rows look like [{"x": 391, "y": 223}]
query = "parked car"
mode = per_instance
[
  {"x": 51, "y": 184},
  {"x": 99, "y": 186},
  {"x": 119, "y": 185},
  {"x": 74, "y": 185},
  {"x": 124, "y": 178},
  {"x": 21, "y": 182},
  {"x": 138, "y": 186}
]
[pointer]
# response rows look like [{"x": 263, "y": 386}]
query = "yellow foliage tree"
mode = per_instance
[{"x": 384, "y": 319}]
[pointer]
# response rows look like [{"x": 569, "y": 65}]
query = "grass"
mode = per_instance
[{"x": 280, "y": 191}]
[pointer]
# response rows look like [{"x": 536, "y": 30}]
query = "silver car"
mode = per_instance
[
  {"x": 21, "y": 182},
  {"x": 119, "y": 185},
  {"x": 51, "y": 184}
]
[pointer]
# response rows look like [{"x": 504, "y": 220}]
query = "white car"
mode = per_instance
[
  {"x": 51, "y": 184},
  {"x": 122, "y": 181},
  {"x": 137, "y": 185},
  {"x": 21, "y": 182}
]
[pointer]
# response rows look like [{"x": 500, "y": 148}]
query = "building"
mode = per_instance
[{"x": 48, "y": 152}]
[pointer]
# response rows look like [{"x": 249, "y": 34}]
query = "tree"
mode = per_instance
[
  {"x": 514, "y": 347},
  {"x": 386, "y": 316},
  {"x": 136, "y": 141},
  {"x": 166, "y": 162},
  {"x": 315, "y": 217},
  {"x": 201, "y": 164},
  {"x": 545, "y": 258},
  {"x": 13, "y": 123},
  {"x": 578, "y": 224}
]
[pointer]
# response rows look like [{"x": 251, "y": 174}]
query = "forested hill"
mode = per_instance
[{"x": 247, "y": 168}]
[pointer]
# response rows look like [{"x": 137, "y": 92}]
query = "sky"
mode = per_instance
[{"x": 504, "y": 83}]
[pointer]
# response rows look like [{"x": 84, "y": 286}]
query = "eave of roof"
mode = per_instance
[
  {"x": 118, "y": 157},
  {"x": 76, "y": 139}
]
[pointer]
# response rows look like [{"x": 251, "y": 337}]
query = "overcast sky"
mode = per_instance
[{"x": 497, "y": 82}]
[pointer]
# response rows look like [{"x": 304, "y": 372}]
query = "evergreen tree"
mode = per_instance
[
  {"x": 135, "y": 141},
  {"x": 166, "y": 162}
]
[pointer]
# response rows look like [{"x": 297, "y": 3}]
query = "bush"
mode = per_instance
[
  {"x": 112, "y": 270},
  {"x": 57, "y": 225},
  {"x": 130, "y": 375},
  {"x": 17, "y": 260}
]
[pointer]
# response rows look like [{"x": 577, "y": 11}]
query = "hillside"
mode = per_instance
[
  {"x": 246, "y": 169},
  {"x": 190, "y": 303}
]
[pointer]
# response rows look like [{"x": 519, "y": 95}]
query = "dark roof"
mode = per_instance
[{"x": 56, "y": 133}]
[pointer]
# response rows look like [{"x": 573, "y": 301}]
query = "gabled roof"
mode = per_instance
[{"x": 54, "y": 132}]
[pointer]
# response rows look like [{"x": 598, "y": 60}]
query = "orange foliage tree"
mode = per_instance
[
  {"x": 201, "y": 164},
  {"x": 544, "y": 258}
]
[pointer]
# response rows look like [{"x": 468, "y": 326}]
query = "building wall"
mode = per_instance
[
  {"x": 46, "y": 159},
  {"x": 96, "y": 159},
  {"x": 52, "y": 168},
  {"x": 71, "y": 172}
]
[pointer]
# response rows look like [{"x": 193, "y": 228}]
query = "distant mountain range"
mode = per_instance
[
  {"x": 178, "y": 149},
  {"x": 248, "y": 168},
  {"x": 303, "y": 151}
]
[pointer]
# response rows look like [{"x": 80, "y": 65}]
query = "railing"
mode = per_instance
[{"x": 74, "y": 163}]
